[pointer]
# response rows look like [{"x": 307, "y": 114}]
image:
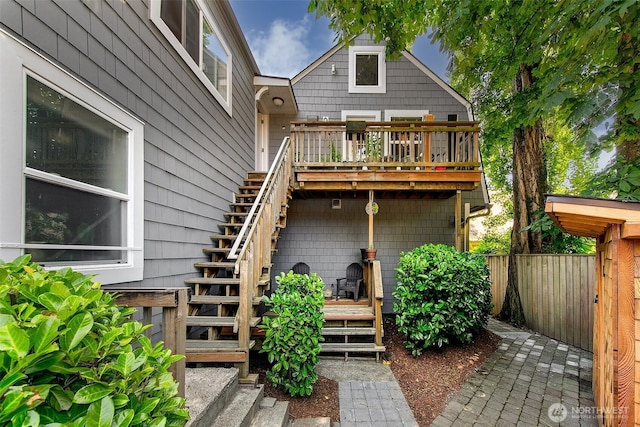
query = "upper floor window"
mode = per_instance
[
  {"x": 71, "y": 175},
  {"x": 189, "y": 27},
  {"x": 367, "y": 69}
]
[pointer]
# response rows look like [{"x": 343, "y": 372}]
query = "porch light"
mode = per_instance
[{"x": 277, "y": 101}]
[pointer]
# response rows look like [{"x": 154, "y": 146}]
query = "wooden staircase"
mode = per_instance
[
  {"x": 350, "y": 330},
  {"x": 224, "y": 304}
]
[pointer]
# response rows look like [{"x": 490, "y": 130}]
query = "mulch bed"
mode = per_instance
[{"x": 428, "y": 381}]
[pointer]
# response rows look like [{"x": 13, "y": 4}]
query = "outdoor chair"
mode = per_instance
[
  {"x": 352, "y": 282},
  {"x": 301, "y": 268}
]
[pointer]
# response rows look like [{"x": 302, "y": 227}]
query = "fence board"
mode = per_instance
[{"x": 556, "y": 292}]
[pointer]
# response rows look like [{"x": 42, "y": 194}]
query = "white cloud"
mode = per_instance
[{"x": 285, "y": 49}]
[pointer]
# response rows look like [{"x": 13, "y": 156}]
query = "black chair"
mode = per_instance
[
  {"x": 301, "y": 268},
  {"x": 352, "y": 282}
]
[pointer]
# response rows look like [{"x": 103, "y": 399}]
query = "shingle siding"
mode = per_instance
[
  {"x": 195, "y": 154},
  {"x": 330, "y": 239}
]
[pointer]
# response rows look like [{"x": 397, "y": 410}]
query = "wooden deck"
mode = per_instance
[{"x": 422, "y": 156}]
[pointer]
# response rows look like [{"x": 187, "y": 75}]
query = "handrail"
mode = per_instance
[
  {"x": 266, "y": 186},
  {"x": 378, "y": 296}
]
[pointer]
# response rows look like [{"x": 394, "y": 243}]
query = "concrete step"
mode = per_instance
[
  {"x": 242, "y": 409},
  {"x": 207, "y": 392},
  {"x": 271, "y": 414},
  {"x": 312, "y": 422}
]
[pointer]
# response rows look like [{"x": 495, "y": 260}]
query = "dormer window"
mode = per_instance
[
  {"x": 190, "y": 29},
  {"x": 367, "y": 69}
]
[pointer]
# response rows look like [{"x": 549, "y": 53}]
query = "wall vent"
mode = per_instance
[{"x": 336, "y": 204}]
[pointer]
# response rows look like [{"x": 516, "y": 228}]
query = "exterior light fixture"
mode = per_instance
[{"x": 277, "y": 101}]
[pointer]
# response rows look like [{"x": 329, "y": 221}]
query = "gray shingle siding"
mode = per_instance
[
  {"x": 195, "y": 154},
  {"x": 330, "y": 239}
]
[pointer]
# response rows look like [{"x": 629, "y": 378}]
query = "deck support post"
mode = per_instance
[
  {"x": 371, "y": 219},
  {"x": 458, "y": 220}
]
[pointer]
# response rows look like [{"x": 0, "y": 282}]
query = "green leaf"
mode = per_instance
[
  {"x": 123, "y": 419},
  {"x": 9, "y": 380},
  {"x": 46, "y": 332},
  {"x": 14, "y": 341},
  {"x": 78, "y": 328},
  {"x": 100, "y": 413},
  {"x": 125, "y": 363},
  {"x": 60, "y": 399},
  {"x": 91, "y": 393},
  {"x": 52, "y": 301}
]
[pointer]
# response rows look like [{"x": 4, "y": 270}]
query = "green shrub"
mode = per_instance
[
  {"x": 441, "y": 295},
  {"x": 70, "y": 356},
  {"x": 293, "y": 334}
]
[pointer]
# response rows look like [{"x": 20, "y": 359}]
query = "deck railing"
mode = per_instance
[
  {"x": 423, "y": 144},
  {"x": 173, "y": 302}
]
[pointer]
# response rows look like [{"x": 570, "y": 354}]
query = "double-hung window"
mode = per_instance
[
  {"x": 367, "y": 69},
  {"x": 71, "y": 175},
  {"x": 191, "y": 30}
]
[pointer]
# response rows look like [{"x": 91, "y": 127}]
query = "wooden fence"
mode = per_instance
[{"x": 557, "y": 294}]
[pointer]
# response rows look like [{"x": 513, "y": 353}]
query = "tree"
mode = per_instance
[{"x": 518, "y": 63}]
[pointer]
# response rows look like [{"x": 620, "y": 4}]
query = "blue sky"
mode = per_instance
[{"x": 284, "y": 38}]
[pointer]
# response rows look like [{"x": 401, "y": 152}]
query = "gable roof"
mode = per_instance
[{"x": 410, "y": 57}]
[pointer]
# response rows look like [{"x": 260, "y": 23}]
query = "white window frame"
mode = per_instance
[
  {"x": 205, "y": 13},
  {"x": 18, "y": 61},
  {"x": 356, "y": 115},
  {"x": 381, "y": 87},
  {"x": 390, "y": 114}
]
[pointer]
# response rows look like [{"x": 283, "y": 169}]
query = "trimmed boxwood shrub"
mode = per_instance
[
  {"x": 69, "y": 355},
  {"x": 294, "y": 332},
  {"x": 441, "y": 296}
]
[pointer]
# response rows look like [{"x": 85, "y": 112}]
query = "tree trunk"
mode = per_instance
[
  {"x": 529, "y": 186},
  {"x": 628, "y": 148}
]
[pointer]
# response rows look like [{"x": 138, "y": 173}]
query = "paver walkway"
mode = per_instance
[{"x": 530, "y": 380}]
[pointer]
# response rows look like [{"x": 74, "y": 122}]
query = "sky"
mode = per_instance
[{"x": 285, "y": 39}]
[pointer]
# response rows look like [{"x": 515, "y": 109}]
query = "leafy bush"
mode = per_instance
[
  {"x": 70, "y": 356},
  {"x": 293, "y": 334},
  {"x": 441, "y": 295}
]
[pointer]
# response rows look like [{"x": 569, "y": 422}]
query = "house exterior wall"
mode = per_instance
[
  {"x": 195, "y": 154},
  {"x": 328, "y": 240}
]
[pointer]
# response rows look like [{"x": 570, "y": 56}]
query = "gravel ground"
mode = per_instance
[{"x": 428, "y": 381}]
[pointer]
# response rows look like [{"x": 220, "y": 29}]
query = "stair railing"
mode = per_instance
[
  {"x": 256, "y": 233},
  {"x": 377, "y": 297}
]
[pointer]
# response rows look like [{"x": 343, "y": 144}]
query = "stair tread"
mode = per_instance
[
  {"x": 351, "y": 330},
  {"x": 212, "y": 250},
  {"x": 193, "y": 346},
  {"x": 219, "y": 299},
  {"x": 213, "y": 281},
  {"x": 348, "y": 312},
  {"x": 272, "y": 416},
  {"x": 352, "y": 347},
  {"x": 215, "y": 264},
  {"x": 224, "y": 236},
  {"x": 217, "y": 321}
]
